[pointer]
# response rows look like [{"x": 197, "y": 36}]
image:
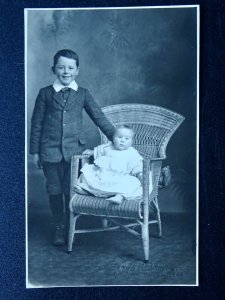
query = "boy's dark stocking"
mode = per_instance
[{"x": 56, "y": 205}]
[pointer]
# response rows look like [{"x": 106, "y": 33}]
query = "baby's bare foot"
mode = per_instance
[{"x": 117, "y": 199}]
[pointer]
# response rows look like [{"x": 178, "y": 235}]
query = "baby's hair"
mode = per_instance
[
  {"x": 126, "y": 126},
  {"x": 65, "y": 53}
]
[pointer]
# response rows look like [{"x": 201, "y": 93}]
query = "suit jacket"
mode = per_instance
[{"x": 56, "y": 126}]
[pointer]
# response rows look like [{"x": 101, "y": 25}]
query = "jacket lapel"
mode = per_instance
[
  {"x": 72, "y": 97},
  {"x": 58, "y": 98}
]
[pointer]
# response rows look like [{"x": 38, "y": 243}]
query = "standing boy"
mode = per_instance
[{"x": 57, "y": 133}]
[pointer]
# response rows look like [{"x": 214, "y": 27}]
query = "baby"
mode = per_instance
[{"x": 117, "y": 169}]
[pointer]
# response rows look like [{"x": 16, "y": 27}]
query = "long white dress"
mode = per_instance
[{"x": 113, "y": 172}]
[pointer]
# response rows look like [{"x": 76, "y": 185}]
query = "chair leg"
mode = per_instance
[
  {"x": 159, "y": 224},
  {"x": 158, "y": 216},
  {"x": 73, "y": 219},
  {"x": 105, "y": 223},
  {"x": 145, "y": 240}
]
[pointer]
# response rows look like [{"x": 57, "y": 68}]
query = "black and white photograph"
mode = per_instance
[{"x": 112, "y": 146}]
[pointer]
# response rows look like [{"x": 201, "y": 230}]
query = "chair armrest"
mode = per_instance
[
  {"x": 153, "y": 165},
  {"x": 156, "y": 159},
  {"x": 77, "y": 162}
]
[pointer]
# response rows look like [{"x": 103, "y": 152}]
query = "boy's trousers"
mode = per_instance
[
  {"x": 58, "y": 184},
  {"x": 57, "y": 177}
]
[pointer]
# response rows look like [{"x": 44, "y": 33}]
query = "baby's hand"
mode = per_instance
[
  {"x": 88, "y": 152},
  {"x": 140, "y": 176}
]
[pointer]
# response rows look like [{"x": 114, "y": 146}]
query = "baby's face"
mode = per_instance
[
  {"x": 123, "y": 138},
  {"x": 66, "y": 70}
]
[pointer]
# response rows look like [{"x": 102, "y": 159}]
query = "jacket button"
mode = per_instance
[{"x": 64, "y": 124}]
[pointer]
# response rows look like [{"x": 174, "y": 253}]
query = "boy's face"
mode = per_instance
[
  {"x": 123, "y": 138},
  {"x": 66, "y": 70}
]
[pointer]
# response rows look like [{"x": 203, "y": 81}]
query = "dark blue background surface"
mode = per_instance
[{"x": 12, "y": 213}]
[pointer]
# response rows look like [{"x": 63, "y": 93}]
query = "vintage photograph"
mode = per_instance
[{"x": 112, "y": 133}]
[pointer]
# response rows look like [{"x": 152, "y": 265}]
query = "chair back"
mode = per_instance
[{"x": 153, "y": 126}]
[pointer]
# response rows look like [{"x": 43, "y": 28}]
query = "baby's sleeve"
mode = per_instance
[
  {"x": 101, "y": 150},
  {"x": 136, "y": 163}
]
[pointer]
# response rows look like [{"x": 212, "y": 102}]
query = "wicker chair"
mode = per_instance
[{"x": 153, "y": 126}]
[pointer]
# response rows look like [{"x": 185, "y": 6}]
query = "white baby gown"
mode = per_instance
[{"x": 113, "y": 172}]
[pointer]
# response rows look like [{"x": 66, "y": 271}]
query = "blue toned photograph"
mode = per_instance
[{"x": 112, "y": 134}]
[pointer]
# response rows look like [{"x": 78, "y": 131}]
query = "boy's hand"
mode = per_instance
[
  {"x": 88, "y": 152},
  {"x": 37, "y": 162}
]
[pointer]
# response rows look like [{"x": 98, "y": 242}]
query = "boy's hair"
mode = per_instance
[{"x": 65, "y": 53}]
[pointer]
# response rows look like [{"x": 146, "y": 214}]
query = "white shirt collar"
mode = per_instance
[{"x": 57, "y": 85}]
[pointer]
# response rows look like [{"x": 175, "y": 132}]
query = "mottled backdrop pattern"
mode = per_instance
[{"x": 127, "y": 56}]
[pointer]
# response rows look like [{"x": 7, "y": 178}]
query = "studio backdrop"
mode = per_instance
[{"x": 126, "y": 56}]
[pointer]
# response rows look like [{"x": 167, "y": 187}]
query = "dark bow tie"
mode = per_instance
[
  {"x": 65, "y": 93},
  {"x": 66, "y": 89}
]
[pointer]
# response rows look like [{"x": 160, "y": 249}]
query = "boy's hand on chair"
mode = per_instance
[
  {"x": 88, "y": 152},
  {"x": 37, "y": 162}
]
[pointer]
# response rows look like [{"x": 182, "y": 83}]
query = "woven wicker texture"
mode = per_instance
[
  {"x": 153, "y": 126},
  {"x": 99, "y": 206}
]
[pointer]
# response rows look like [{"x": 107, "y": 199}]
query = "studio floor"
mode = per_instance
[
  {"x": 111, "y": 258},
  {"x": 106, "y": 258}
]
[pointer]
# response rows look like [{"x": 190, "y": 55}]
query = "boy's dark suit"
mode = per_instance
[
  {"x": 56, "y": 125},
  {"x": 56, "y": 135}
]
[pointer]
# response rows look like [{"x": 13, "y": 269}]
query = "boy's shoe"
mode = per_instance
[{"x": 59, "y": 239}]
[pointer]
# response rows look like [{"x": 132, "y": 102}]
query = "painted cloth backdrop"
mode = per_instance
[{"x": 127, "y": 56}]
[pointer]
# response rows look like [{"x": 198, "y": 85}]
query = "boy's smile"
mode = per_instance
[{"x": 66, "y": 70}]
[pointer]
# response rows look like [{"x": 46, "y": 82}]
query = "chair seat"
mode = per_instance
[{"x": 100, "y": 207}]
